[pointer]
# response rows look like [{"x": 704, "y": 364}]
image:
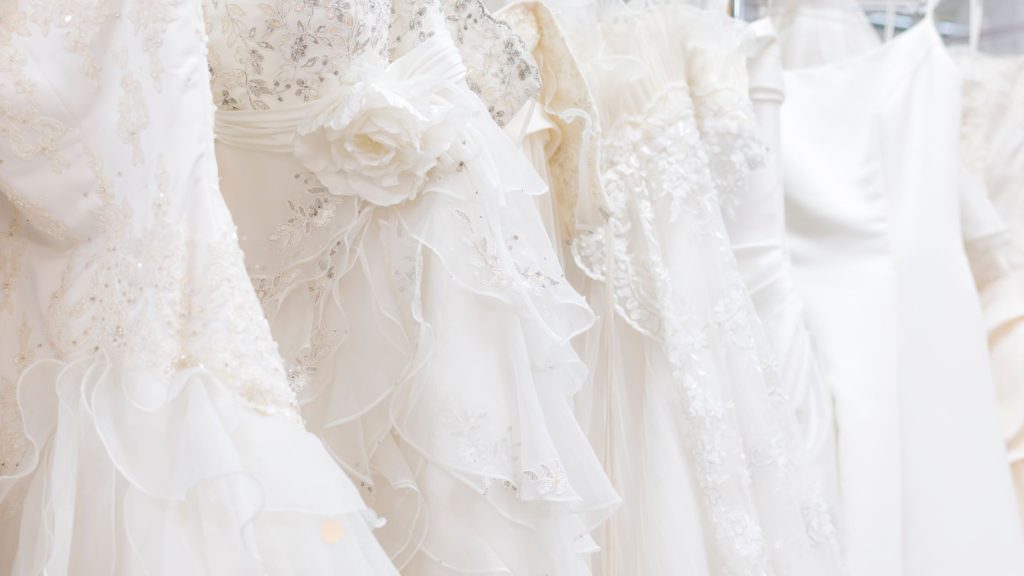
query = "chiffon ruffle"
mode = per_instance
[
  {"x": 432, "y": 343},
  {"x": 129, "y": 474}
]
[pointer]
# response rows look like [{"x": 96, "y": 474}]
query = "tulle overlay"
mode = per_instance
[
  {"x": 452, "y": 406},
  {"x": 684, "y": 406},
  {"x": 135, "y": 475},
  {"x": 146, "y": 422}
]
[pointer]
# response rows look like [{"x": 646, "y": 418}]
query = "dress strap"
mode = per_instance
[
  {"x": 890, "y": 20},
  {"x": 975, "y": 19}
]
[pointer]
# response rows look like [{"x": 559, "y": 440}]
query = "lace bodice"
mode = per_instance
[
  {"x": 565, "y": 99},
  {"x": 279, "y": 53},
  {"x": 123, "y": 276}
]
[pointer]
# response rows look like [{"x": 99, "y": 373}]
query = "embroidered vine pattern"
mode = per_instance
[
  {"x": 151, "y": 20},
  {"x": 498, "y": 269},
  {"x": 319, "y": 211},
  {"x": 500, "y": 68},
  {"x": 284, "y": 49},
  {"x": 497, "y": 455},
  {"x": 79, "y": 21},
  {"x": 657, "y": 165},
  {"x": 133, "y": 114},
  {"x": 12, "y": 249}
]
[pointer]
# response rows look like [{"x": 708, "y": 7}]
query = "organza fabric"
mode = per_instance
[
  {"x": 146, "y": 423},
  {"x": 409, "y": 280}
]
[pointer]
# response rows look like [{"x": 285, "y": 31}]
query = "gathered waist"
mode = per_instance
[{"x": 434, "y": 62}]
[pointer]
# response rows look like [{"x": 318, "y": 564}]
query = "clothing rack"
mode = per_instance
[{"x": 950, "y": 24}]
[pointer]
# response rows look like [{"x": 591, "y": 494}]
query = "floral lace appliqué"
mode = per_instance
[
  {"x": 279, "y": 52},
  {"x": 500, "y": 68},
  {"x": 657, "y": 172}
]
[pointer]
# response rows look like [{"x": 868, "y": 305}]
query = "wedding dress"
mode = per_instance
[
  {"x": 146, "y": 423},
  {"x": 638, "y": 139},
  {"x": 814, "y": 32},
  {"x": 873, "y": 215},
  {"x": 993, "y": 149},
  {"x": 391, "y": 232},
  {"x": 757, "y": 231}
]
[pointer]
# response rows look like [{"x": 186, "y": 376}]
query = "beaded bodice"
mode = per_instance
[{"x": 279, "y": 53}]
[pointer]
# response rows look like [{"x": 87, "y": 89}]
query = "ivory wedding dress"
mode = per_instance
[
  {"x": 146, "y": 423},
  {"x": 873, "y": 212},
  {"x": 757, "y": 232},
  {"x": 993, "y": 148},
  {"x": 683, "y": 408},
  {"x": 392, "y": 235}
]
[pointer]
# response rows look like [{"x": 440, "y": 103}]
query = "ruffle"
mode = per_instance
[
  {"x": 130, "y": 474},
  {"x": 559, "y": 131},
  {"x": 433, "y": 339},
  {"x": 993, "y": 228}
]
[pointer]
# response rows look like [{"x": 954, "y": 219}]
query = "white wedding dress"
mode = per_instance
[
  {"x": 757, "y": 230},
  {"x": 392, "y": 235},
  {"x": 992, "y": 143},
  {"x": 873, "y": 214},
  {"x": 641, "y": 139},
  {"x": 146, "y": 423}
]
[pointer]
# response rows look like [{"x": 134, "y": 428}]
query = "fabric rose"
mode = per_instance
[{"x": 381, "y": 142}]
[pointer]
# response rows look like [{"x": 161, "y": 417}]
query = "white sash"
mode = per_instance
[{"x": 436, "y": 61}]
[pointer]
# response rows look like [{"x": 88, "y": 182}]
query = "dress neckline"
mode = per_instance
[{"x": 925, "y": 27}]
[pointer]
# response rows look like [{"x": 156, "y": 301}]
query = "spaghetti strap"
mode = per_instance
[
  {"x": 975, "y": 19},
  {"x": 890, "y": 20}
]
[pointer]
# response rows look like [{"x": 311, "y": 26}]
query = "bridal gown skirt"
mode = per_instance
[
  {"x": 432, "y": 342},
  {"x": 146, "y": 424}
]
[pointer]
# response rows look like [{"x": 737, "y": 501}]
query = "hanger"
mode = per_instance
[
  {"x": 928, "y": 9},
  {"x": 890, "y": 14},
  {"x": 738, "y": 9}
]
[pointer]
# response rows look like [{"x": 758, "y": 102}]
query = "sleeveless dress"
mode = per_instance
[
  {"x": 392, "y": 235},
  {"x": 641, "y": 137},
  {"x": 873, "y": 214},
  {"x": 993, "y": 149},
  {"x": 146, "y": 422}
]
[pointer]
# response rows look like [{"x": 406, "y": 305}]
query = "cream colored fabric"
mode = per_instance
[
  {"x": 993, "y": 148},
  {"x": 679, "y": 405}
]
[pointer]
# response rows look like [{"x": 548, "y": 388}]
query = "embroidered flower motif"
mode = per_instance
[{"x": 382, "y": 142}]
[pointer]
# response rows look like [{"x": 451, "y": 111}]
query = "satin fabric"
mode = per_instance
[{"x": 872, "y": 178}]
